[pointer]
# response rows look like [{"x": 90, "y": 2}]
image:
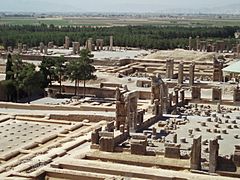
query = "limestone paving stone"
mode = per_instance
[{"x": 15, "y": 133}]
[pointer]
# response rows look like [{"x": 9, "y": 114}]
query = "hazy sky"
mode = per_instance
[{"x": 109, "y": 5}]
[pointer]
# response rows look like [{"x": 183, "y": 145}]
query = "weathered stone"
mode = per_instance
[
  {"x": 196, "y": 154},
  {"x": 213, "y": 156}
]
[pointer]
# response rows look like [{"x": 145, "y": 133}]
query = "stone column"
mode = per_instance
[
  {"x": 170, "y": 100},
  {"x": 180, "y": 73},
  {"x": 67, "y": 42},
  {"x": 191, "y": 74},
  {"x": 24, "y": 48},
  {"x": 89, "y": 44},
  {"x": 95, "y": 135},
  {"x": 197, "y": 43},
  {"x": 101, "y": 44},
  {"x": 169, "y": 68},
  {"x": 154, "y": 133},
  {"x": 111, "y": 43},
  {"x": 217, "y": 48},
  {"x": 238, "y": 50},
  {"x": 165, "y": 104},
  {"x": 213, "y": 155},
  {"x": 41, "y": 47},
  {"x": 76, "y": 47},
  {"x": 195, "y": 159},
  {"x": 217, "y": 70},
  {"x": 155, "y": 89},
  {"x": 190, "y": 43},
  {"x": 45, "y": 50},
  {"x": 176, "y": 96},
  {"x": 202, "y": 45},
  {"x": 175, "y": 138},
  {"x": 19, "y": 48},
  {"x": 182, "y": 96},
  {"x": 156, "y": 110},
  {"x": 97, "y": 45}
]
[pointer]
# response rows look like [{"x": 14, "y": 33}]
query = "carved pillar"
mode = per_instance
[
  {"x": 213, "y": 155},
  {"x": 191, "y": 74},
  {"x": 196, "y": 154},
  {"x": 190, "y": 43},
  {"x": 180, "y": 73}
]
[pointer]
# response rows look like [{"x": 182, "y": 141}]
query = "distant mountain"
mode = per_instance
[{"x": 229, "y": 9}]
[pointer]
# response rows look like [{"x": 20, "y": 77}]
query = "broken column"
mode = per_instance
[
  {"x": 180, "y": 73},
  {"x": 217, "y": 70},
  {"x": 139, "y": 145},
  {"x": 76, "y": 47},
  {"x": 106, "y": 142},
  {"x": 111, "y": 43},
  {"x": 89, "y": 44},
  {"x": 238, "y": 50},
  {"x": 95, "y": 136},
  {"x": 195, "y": 159},
  {"x": 172, "y": 150},
  {"x": 176, "y": 96},
  {"x": 67, "y": 42},
  {"x": 155, "y": 89},
  {"x": 165, "y": 105},
  {"x": 131, "y": 99},
  {"x": 169, "y": 68},
  {"x": 202, "y": 45},
  {"x": 182, "y": 96},
  {"x": 191, "y": 74},
  {"x": 110, "y": 126},
  {"x": 175, "y": 138},
  {"x": 41, "y": 47},
  {"x": 190, "y": 43},
  {"x": 50, "y": 45},
  {"x": 45, "y": 50},
  {"x": 170, "y": 100},
  {"x": 99, "y": 44},
  {"x": 19, "y": 48},
  {"x": 24, "y": 48},
  {"x": 213, "y": 155},
  {"x": 197, "y": 43},
  {"x": 120, "y": 110}
]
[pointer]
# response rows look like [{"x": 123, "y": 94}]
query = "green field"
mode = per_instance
[{"x": 101, "y": 21}]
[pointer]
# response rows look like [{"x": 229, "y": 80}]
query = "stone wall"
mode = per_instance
[{"x": 98, "y": 92}]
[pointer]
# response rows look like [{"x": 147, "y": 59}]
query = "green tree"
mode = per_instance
[
  {"x": 17, "y": 68},
  {"x": 81, "y": 69},
  {"x": 30, "y": 79},
  {"x": 48, "y": 70},
  {"x": 86, "y": 67},
  {"x": 60, "y": 67},
  {"x": 9, "y": 66},
  {"x": 9, "y": 88}
]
